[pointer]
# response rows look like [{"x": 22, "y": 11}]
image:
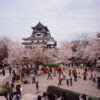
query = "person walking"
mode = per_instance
[
  {"x": 33, "y": 78},
  {"x": 79, "y": 75},
  {"x": 94, "y": 76},
  {"x": 37, "y": 86},
  {"x": 13, "y": 79},
  {"x": 64, "y": 75},
  {"x": 82, "y": 97},
  {"x": 39, "y": 98},
  {"x": 84, "y": 75},
  {"x": 16, "y": 96},
  {"x": 12, "y": 87},
  {"x": 54, "y": 73},
  {"x": 60, "y": 80},
  {"x": 3, "y": 72},
  {"x": 75, "y": 74},
  {"x": 49, "y": 75},
  {"x": 10, "y": 69},
  {"x": 71, "y": 81},
  {"x": 91, "y": 75},
  {"x": 70, "y": 73},
  {"x": 18, "y": 89},
  {"x": 14, "y": 73},
  {"x": 67, "y": 82}
]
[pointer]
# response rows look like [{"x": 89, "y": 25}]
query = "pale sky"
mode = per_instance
[{"x": 66, "y": 19}]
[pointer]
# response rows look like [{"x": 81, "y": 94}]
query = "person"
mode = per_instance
[
  {"x": 67, "y": 82},
  {"x": 54, "y": 73},
  {"x": 71, "y": 81},
  {"x": 59, "y": 70},
  {"x": 50, "y": 69},
  {"x": 59, "y": 97},
  {"x": 9, "y": 69},
  {"x": 91, "y": 75},
  {"x": 64, "y": 97},
  {"x": 39, "y": 98},
  {"x": 13, "y": 76},
  {"x": 7, "y": 84},
  {"x": 60, "y": 80},
  {"x": 75, "y": 75},
  {"x": 82, "y": 97},
  {"x": 18, "y": 89},
  {"x": 13, "y": 79},
  {"x": 22, "y": 72},
  {"x": 37, "y": 86},
  {"x": 14, "y": 73},
  {"x": 49, "y": 75},
  {"x": 10, "y": 96},
  {"x": 18, "y": 78},
  {"x": 3, "y": 72},
  {"x": 12, "y": 87},
  {"x": 44, "y": 96},
  {"x": 33, "y": 79},
  {"x": 94, "y": 76},
  {"x": 84, "y": 75},
  {"x": 51, "y": 96},
  {"x": 79, "y": 75},
  {"x": 64, "y": 75},
  {"x": 16, "y": 96},
  {"x": 70, "y": 73}
]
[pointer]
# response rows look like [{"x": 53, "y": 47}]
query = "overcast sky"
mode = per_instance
[{"x": 66, "y": 19}]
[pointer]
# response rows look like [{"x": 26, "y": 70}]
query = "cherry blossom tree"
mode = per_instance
[
  {"x": 3, "y": 51},
  {"x": 85, "y": 48},
  {"x": 50, "y": 55},
  {"x": 64, "y": 52},
  {"x": 14, "y": 54},
  {"x": 92, "y": 50},
  {"x": 40, "y": 55}
]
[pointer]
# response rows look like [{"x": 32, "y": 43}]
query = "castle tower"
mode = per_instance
[{"x": 40, "y": 36}]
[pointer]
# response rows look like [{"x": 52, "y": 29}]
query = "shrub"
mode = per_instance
[
  {"x": 67, "y": 94},
  {"x": 4, "y": 90},
  {"x": 50, "y": 65},
  {"x": 95, "y": 98}
]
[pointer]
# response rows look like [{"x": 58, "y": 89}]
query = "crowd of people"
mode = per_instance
[{"x": 69, "y": 76}]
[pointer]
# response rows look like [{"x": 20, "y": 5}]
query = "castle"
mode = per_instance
[{"x": 40, "y": 36}]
